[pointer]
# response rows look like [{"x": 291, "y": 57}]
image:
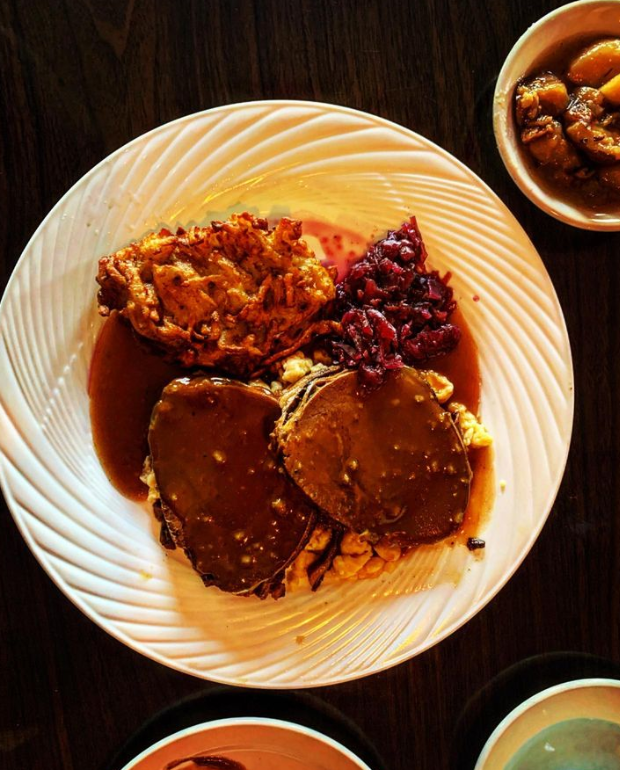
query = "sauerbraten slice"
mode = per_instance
[
  {"x": 223, "y": 496},
  {"x": 385, "y": 462}
]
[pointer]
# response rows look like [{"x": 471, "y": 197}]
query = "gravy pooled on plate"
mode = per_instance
[{"x": 125, "y": 382}]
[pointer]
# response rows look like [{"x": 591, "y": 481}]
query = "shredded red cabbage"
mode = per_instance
[{"x": 393, "y": 311}]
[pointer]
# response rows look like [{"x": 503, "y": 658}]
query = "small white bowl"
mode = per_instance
[
  {"x": 582, "y": 698},
  {"x": 584, "y": 19},
  {"x": 257, "y": 744}
]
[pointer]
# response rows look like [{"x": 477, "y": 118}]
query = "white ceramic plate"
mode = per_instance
[
  {"x": 354, "y": 171},
  {"x": 258, "y": 744}
]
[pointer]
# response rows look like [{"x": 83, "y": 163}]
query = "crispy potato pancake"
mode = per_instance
[{"x": 236, "y": 296}]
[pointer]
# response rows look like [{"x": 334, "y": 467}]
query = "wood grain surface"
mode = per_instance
[{"x": 78, "y": 79}]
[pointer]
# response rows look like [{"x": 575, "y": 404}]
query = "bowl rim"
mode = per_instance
[
  {"x": 246, "y": 722},
  {"x": 556, "y": 207},
  {"x": 535, "y": 700}
]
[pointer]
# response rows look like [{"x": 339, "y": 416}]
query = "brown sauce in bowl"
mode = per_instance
[
  {"x": 209, "y": 762},
  {"x": 582, "y": 186}
]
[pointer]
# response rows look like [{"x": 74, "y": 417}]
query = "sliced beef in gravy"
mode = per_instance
[
  {"x": 224, "y": 497},
  {"x": 389, "y": 462}
]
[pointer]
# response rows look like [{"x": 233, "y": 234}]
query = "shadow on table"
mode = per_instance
[
  {"x": 501, "y": 695},
  {"x": 228, "y": 702}
]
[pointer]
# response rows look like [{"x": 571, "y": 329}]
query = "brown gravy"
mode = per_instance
[
  {"x": 462, "y": 368},
  {"x": 481, "y": 493},
  {"x": 127, "y": 377},
  {"x": 125, "y": 381}
]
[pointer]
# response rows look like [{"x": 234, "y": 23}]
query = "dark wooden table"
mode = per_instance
[{"x": 78, "y": 79}]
